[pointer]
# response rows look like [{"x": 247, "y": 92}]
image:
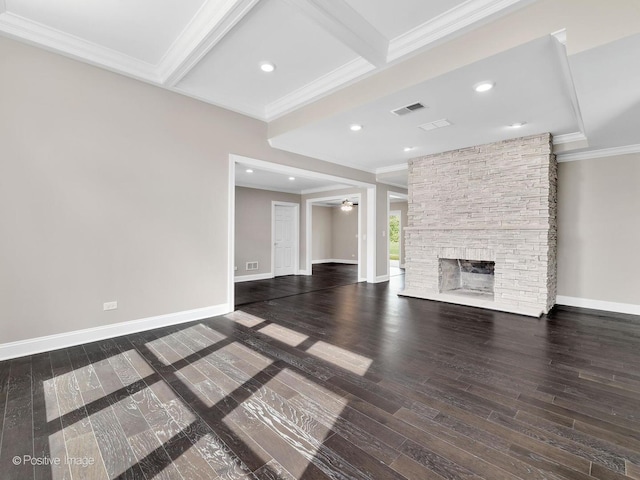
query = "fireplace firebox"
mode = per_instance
[{"x": 467, "y": 277}]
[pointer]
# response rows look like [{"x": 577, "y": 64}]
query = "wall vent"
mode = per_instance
[
  {"x": 435, "y": 124},
  {"x": 407, "y": 109},
  {"x": 252, "y": 265}
]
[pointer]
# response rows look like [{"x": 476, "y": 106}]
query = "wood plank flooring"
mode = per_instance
[
  {"x": 347, "y": 382},
  {"x": 325, "y": 275}
]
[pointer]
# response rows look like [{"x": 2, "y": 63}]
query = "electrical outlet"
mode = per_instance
[{"x": 110, "y": 306}]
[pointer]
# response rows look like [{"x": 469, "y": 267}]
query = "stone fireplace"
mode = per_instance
[{"x": 482, "y": 226}]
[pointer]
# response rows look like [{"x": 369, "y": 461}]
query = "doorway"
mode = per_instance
[
  {"x": 259, "y": 242},
  {"x": 284, "y": 235},
  {"x": 395, "y": 245},
  {"x": 335, "y": 203}
]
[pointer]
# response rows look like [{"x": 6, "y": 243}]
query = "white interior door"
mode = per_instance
[{"x": 284, "y": 240}]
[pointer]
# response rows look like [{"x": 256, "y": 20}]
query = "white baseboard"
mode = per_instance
[
  {"x": 381, "y": 278},
  {"x": 304, "y": 272},
  {"x": 628, "y": 308},
  {"x": 251, "y": 278},
  {"x": 335, "y": 260},
  {"x": 32, "y": 346}
]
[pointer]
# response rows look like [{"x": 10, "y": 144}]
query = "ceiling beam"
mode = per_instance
[
  {"x": 214, "y": 20},
  {"x": 563, "y": 59},
  {"x": 344, "y": 23}
]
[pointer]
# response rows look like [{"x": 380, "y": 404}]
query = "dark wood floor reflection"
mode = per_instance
[
  {"x": 325, "y": 275},
  {"x": 350, "y": 382}
]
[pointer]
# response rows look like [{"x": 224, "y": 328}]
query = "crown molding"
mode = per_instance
[
  {"x": 326, "y": 84},
  {"x": 212, "y": 22},
  {"x": 569, "y": 142},
  {"x": 392, "y": 168},
  {"x": 449, "y": 22},
  {"x": 561, "y": 36},
  {"x": 602, "y": 153},
  {"x": 51, "y": 39},
  {"x": 569, "y": 138}
]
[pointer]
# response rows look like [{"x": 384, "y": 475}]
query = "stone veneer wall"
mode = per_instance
[{"x": 494, "y": 202}]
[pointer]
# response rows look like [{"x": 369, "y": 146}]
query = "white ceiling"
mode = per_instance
[
  {"x": 523, "y": 76},
  {"x": 211, "y": 50},
  {"x": 278, "y": 181},
  {"x": 607, "y": 82}
]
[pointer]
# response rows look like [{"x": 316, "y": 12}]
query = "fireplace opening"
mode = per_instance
[{"x": 467, "y": 277}]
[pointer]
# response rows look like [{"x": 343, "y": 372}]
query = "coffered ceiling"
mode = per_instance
[
  {"x": 211, "y": 49},
  {"x": 344, "y": 62}
]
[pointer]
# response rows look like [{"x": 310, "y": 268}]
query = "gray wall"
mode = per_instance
[
  {"x": 253, "y": 227},
  {"x": 403, "y": 208},
  {"x": 363, "y": 213},
  {"x": 344, "y": 236},
  {"x": 322, "y": 233},
  {"x": 599, "y": 229},
  {"x": 113, "y": 189},
  {"x": 335, "y": 234}
]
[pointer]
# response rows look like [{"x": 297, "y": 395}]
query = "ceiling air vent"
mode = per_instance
[
  {"x": 407, "y": 109},
  {"x": 435, "y": 124}
]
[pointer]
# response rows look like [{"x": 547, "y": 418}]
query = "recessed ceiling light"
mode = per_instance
[
  {"x": 292, "y": 178},
  {"x": 248, "y": 170},
  {"x": 355, "y": 127},
  {"x": 408, "y": 149},
  {"x": 517, "y": 125},
  {"x": 483, "y": 86},
  {"x": 267, "y": 67}
]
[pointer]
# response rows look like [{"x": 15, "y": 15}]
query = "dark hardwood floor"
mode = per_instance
[
  {"x": 349, "y": 382},
  {"x": 325, "y": 275}
]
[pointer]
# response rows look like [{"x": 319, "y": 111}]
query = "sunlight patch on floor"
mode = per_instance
[
  {"x": 301, "y": 432},
  {"x": 283, "y": 334},
  {"x": 340, "y": 357},
  {"x": 244, "y": 318}
]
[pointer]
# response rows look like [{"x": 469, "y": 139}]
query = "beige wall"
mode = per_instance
[
  {"x": 363, "y": 213},
  {"x": 402, "y": 207},
  {"x": 599, "y": 229},
  {"x": 112, "y": 189},
  {"x": 253, "y": 228},
  {"x": 344, "y": 238},
  {"x": 322, "y": 232},
  {"x": 335, "y": 234}
]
